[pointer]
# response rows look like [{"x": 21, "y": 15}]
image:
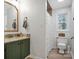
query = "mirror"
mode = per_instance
[{"x": 10, "y": 17}]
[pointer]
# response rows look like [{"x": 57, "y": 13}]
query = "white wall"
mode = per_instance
[
  {"x": 5, "y": 17},
  {"x": 25, "y": 8},
  {"x": 38, "y": 28},
  {"x": 50, "y": 32},
  {"x": 72, "y": 30},
  {"x": 68, "y": 11}
]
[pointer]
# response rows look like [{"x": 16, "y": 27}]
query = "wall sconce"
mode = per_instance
[{"x": 25, "y": 23}]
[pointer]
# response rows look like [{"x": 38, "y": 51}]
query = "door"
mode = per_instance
[
  {"x": 25, "y": 48},
  {"x": 13, "y": 50}
]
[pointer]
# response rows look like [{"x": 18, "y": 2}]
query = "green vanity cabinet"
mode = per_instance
[
  {"x": 17, "y": 50},
  {"x": 25, "y": 48}
]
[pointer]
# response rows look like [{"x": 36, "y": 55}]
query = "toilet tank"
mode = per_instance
[{"x": 62, "y": 40}]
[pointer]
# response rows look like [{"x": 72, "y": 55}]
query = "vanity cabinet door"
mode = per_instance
[
  {"x": 25, "y": 48},
  {"x": 13, "y": 50}
]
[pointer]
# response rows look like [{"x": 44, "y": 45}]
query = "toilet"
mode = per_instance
[{"x": 62, "y": 44}]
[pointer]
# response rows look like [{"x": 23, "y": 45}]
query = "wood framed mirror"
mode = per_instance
[{"x": 10, "y": 17}]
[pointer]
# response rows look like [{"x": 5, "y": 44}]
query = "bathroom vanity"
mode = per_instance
[{"x": 17, "y": 47}]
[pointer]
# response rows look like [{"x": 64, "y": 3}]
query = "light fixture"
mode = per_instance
[
  {"x": 16, "y": 0},
  {"x": 60, "y": 0}
]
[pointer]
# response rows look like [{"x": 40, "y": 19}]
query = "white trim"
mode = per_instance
[{"x": 72, "y": 54}]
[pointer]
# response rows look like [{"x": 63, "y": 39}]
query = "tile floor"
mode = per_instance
[{"x": 53, "y": 54}]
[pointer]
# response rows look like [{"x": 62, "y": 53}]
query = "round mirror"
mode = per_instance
[{"x": 10, "y": 17}]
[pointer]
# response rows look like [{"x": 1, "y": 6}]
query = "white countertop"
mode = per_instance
[{"x": 7, "y": 40}]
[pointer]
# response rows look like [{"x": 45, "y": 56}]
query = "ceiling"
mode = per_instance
[{"x": 55, "y": 4}]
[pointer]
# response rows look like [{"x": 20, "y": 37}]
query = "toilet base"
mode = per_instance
[{"x": 61, "y": 51}]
